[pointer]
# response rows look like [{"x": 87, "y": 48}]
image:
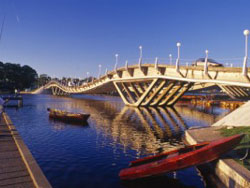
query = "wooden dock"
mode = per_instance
[{"x": 18, "y": 168}]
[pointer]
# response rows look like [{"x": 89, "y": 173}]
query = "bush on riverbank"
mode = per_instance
[{"x": 240, "y": 151}]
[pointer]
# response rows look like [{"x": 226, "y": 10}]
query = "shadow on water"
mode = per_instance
[
  {"x": 158, "y": 181},
  {"x": 62, "y": 124}
]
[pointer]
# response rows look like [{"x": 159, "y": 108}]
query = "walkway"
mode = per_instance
[{"x": 17, "y": 166}]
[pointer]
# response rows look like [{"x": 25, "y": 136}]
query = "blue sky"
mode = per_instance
[{"x": 72, "y": 37}]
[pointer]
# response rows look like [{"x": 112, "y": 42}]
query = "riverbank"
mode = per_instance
[
  {"x": 229, "y": 172},
  {"x": 18, "y": 168}
]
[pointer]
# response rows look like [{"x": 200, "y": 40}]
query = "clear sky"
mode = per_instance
[{"x": 71, "y": 37}]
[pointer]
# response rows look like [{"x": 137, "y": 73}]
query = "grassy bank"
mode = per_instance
[{"x": 240, "y": 151}]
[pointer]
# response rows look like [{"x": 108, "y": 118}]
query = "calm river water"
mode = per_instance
[{"x": 73, "y": 156}]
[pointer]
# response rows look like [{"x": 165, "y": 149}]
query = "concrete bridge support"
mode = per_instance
[
  {"x": 236, "y": 92},
  {"x": 156, "y": 92},
  {"x": 58, "y": 92},
  {"x": 53, "y": 90}
]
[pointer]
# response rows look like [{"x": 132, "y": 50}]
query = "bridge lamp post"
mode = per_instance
[
  {"x": 170, "y": 59},
  {"x": 205, "y": 64},
  {"x": 140, "y": 48},
  {"x": 244, "y": 68},
  {"x": 140, "y": 58},
  {"x": 178, "y": 57},
  {"x": 126, "y": 65},
  {"x": 156, "y": 63},
  {"x": 116, "y": 61},
  {"x": 87, "y": 77},
  {"x": 99, "y": 74},
  {"x": 79, "y": 81}
]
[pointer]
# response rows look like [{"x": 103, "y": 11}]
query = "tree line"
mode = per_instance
[{"x": 14, "y": 76}]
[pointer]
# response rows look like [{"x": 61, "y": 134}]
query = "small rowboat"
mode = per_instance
[
  {"x": 180, "y": 158},
  {"x": 67, "y": 116}
]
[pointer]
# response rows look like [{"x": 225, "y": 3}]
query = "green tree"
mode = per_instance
[{"x": 15, "y": 76}]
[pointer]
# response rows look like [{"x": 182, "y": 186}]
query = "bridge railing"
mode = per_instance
[{"x": 226, "y": 62}]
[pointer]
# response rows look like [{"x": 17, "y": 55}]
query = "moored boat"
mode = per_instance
[
  {"x": 67, "y": 116},
  {"x": 179, "y": 159}
]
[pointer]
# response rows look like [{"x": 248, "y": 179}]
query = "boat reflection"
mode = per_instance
[
  {"x": 157, "y": 181},
  {"x": 60, "y": 125}
]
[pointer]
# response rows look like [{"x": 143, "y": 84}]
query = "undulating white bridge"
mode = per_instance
[{"x": 159, "y": 85}]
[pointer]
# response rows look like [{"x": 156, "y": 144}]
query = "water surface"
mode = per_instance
[{"x": 92, "y": 155}]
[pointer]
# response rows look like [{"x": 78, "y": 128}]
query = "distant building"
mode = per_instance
[{"x": 210, "y": 62}]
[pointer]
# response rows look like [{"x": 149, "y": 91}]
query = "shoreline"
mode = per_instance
[{"x": 228, "y": 171}]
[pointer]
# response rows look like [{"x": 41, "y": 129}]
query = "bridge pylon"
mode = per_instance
[{"x": 155, "y": 92}]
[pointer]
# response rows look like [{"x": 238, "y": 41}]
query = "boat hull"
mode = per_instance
[
  {"x": 203, "y": 155},
  {"x": 68, "y": 117}
]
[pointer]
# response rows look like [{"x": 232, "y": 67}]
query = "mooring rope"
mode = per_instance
[{"x": 247, "y": 152}]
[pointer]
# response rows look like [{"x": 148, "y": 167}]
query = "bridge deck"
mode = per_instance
[
  {"x": 159, "y": 85},
  {"x": 17, "y": 166}
]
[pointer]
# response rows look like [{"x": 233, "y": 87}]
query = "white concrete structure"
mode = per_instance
[
  {"x": 238, "y": 118},
  {"x": 151, "y": 85}
]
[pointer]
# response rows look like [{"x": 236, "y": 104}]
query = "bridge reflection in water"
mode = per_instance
[{"x": 144, "y": 130}]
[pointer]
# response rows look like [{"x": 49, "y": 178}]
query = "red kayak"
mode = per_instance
[{"x": 180, "y": 158}]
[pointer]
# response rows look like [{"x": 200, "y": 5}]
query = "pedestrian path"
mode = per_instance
[{"x": 17, "y": 166}]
